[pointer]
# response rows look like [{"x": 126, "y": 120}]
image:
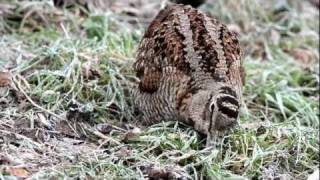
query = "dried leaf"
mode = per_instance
[
  {"x": 5, "y": 79},
  {"x": 132, "y": 134},
  {"x": 303, "y": 56},
  {"x": 18, "y": 172}
]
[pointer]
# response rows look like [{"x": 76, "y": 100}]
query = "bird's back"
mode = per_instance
[{"x": 197, "y": 45}]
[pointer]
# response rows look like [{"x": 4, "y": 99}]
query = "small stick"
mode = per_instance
[{"x": 32, "y": 102}]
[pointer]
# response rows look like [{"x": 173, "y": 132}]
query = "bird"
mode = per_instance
[{"x": 190, "y": 70}]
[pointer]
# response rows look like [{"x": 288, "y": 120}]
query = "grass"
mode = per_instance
[{"x": 68, "y": 113}]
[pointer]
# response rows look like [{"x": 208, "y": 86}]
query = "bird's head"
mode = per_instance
[{"x": 214, "y": 110}]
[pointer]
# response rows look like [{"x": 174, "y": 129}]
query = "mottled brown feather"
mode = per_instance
[{"x": 183, "y": 55}]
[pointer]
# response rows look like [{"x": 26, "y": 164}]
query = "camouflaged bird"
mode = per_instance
[{"x": 190, "y": 70}]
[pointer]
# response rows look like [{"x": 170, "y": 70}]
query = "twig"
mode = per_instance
[
  {"x": 33, "y": 103},
  {"x": 102, "y": 136}
]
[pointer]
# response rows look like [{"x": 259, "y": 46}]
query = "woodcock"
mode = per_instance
[{"x": 190, "y": 70}]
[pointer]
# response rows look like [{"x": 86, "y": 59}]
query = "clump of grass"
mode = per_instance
[{"x": 89, "y": 70}]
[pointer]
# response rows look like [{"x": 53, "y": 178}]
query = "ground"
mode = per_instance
[{"x": 65, "y": 111}]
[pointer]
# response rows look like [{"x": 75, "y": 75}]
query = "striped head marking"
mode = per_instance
[
  {"x": 224, "y": 109},
  {"x": 214, "y": 110}
]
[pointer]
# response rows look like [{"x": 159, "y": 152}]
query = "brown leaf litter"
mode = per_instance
[
  {"x": 5, "y": 79},
  {"x": 303, "y": 56}
]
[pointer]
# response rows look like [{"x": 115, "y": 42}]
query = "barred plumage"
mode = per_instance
[{"x": 190, "y": 70}]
